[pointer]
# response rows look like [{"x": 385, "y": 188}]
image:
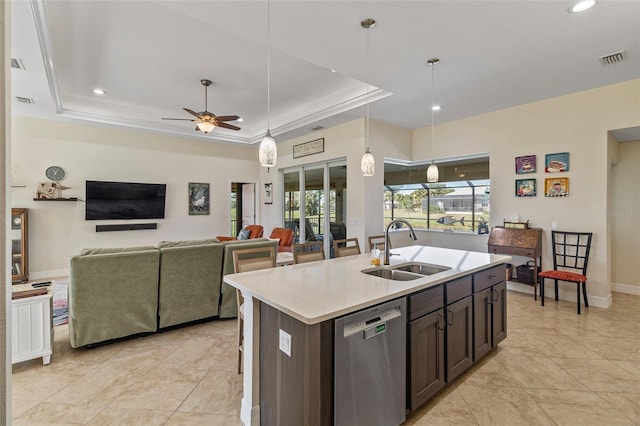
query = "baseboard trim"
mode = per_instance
[
  {"x": 48, "y": 274},
  {"x": 569, "y": 296},
  {"x": 626, "y": 288}
]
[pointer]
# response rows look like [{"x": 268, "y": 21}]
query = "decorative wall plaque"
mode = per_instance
[{"x": 308, "y": 148}]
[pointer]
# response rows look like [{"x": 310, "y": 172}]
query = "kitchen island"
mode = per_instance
[{"x": 304, "y": 300}]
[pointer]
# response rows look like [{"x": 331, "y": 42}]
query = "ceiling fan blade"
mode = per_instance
[
  {"x": 227, "y": 117},
  {"x": 181, "y": 119},
  {"x": 195, "y": 114},
  {"x": 228, "y": 126}
]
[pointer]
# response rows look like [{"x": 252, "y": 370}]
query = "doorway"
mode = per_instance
[{"x": 242, "y": 205}]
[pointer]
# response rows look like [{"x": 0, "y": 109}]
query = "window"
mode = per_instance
[{"x": 458, "y": 202}]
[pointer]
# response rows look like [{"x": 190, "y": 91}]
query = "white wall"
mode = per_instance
[
  {"x": 576, "y": 123},
  {"x": 57, "y": 230},
  {"x": 624, "y": 218}
]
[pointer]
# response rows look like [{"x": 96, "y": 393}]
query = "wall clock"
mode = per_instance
[{"x": 55, "y": 173}]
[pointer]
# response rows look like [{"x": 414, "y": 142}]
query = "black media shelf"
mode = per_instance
[{"x": 56, "y": 199}]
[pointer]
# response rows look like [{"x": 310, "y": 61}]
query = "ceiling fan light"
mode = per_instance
[
  {"x": 268, "y": 153},
  {"x": 368, "y": 164},
  {"x": 205, "y": 126},
  {"x": 432, "y": 173}
]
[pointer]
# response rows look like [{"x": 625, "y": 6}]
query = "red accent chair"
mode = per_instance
[
  {"x": 570, "y": 258},
  {"x": 285, "y": 235},
  {"x": 255, "y": 231}
]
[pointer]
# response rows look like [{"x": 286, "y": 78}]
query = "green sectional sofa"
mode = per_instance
[{"x": 119, "y": 292}]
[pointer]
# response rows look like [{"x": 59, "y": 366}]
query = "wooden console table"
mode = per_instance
[{"x": 519, "y": 242}]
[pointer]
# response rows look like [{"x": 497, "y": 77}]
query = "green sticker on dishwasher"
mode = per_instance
[{"x": 380, "y": 328}]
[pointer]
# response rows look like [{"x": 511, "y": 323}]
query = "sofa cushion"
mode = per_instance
[
  {"x": 90, "y": 251},
  {"x": 185, "y": 243}
]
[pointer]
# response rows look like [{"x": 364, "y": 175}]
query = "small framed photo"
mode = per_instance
[
  {"x": 198, "y": 199},
  {"x": 268, "y": 193},
  {"x": 556, "y": 187},
  {"x": 526, "y": 164},
  {"x": 525, "y": 187},
  {"x": 556, "y": 163}
]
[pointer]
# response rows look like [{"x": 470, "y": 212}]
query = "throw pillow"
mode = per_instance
[{"x": 244, "y": 234}]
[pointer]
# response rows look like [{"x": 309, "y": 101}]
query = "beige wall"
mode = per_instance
[
  {"x": 5, "y": 148},
  {"x": 624, "y": 218},
  {"x": 576, "y": 123},
  {"x": 57, "y": 230}
]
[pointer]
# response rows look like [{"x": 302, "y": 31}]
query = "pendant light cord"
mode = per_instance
[
  {"x": 268, "y": 65},
  {"x": 368, "y": 88},
  {"x": 433, "y": 95}
]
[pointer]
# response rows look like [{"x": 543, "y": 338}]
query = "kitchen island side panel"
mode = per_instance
[{"x": 296, "y": 389}]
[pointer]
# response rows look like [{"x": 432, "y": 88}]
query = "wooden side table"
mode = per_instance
[{"x": 31, "y": 328}]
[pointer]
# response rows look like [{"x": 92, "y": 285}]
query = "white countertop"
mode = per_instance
[{"x": 317, "y": 291}]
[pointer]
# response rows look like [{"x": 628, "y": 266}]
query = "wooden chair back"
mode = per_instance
[
  {"x": 377, "y": 239},
  {"x": 308, "y": 252},
  {"x": 346, "y": 247}
]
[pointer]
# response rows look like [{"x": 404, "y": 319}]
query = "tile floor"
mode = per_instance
[{"x": 554, "y": 368}]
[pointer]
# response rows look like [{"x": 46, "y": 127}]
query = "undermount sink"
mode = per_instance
[
  {"x": 421, "y": 268},
  {"x": 406, "y": 271},
  {"x": 391, "y": 274}
]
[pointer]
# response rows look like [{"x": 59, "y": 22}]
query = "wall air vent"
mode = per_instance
[
  {"x": 18, "y": 64},
  {"x": 613, "y": 58},
  {"x": 23, "y": 100},
  {"x": 316, "y": 128}
]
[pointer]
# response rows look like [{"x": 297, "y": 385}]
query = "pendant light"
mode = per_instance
[
  {"x": 368, "y": 163},
  {"x": 268, "y": 152},
  {"x": 432, "y": 171}
]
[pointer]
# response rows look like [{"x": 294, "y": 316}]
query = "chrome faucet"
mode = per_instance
[{"x": 387, "y": 244}]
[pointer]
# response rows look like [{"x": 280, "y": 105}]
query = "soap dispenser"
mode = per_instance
[{"x": 375, "y": 255}]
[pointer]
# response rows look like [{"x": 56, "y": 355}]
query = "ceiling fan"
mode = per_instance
[{"x": 205, "y": 120}]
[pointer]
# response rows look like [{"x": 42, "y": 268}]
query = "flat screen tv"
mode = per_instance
[{"x": 124, "y": 200}]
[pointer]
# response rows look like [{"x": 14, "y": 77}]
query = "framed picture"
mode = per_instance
[
  {"x": 268, "y": 193},
  {"x": 556, "y": 163},
  {"x": 308, "y": 148},
  {"x": 526, "y": 164},
  {"x": 525, "y": 187},
  {"x": 198, "y": 199},
  {"x": 556, "y": 187}
]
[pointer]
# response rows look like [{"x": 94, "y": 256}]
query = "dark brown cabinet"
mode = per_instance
[
  {"x": 489, "y": 310},
  {"x": 459, "y": 337},
  {"x": 426, "y": 346}
]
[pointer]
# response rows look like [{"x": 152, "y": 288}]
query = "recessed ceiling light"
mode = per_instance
[
  {"x": 99, "y": 92},
  {"x": 333, "y": 70},
  {"x": 437, "y": 107},
  {"x": 581, "y": 6}
]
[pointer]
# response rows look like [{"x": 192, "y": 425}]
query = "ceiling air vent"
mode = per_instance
[
  {"x": 316, "y": 128},
  {"x": 613, "y": 58},
  {"x": 23, "y": 100},
  {"x": 17, "y": 63}
]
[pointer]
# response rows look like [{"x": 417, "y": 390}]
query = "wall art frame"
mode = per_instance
[
  {"x": 556, "y": 187},
  {"x": 315, "y": 146},
  {"x": 526, "y": 164},
  {"x": 268, "y": 193},
  {"x": 198, "y": 199},
  {"x": 556, "y": 163},
  {"x": 526, "y": 188}
]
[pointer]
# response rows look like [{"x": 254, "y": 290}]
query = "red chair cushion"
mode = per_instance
[
  {"x": 286, "y": 238},
  {"x": 256, "y": 231},
  {"x": 563, "y": 276}
]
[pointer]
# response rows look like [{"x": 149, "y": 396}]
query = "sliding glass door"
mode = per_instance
[{"x": 315, "y": 202}]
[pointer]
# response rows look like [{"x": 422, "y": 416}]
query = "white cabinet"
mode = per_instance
[{"x": 31, "y": 328}]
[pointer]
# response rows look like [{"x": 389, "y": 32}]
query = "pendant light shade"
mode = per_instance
[
  {"x": 433, "y": 175},
  {"x": 268, "y": 153},
  {"x": 368, "y": 164},
  {"x": 205, "y": 126}
]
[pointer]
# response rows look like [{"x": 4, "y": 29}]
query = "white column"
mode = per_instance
[{"x": 250, "y": 409}]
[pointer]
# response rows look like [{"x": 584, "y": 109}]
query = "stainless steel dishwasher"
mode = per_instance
[{"x": 370, "y": 366}]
